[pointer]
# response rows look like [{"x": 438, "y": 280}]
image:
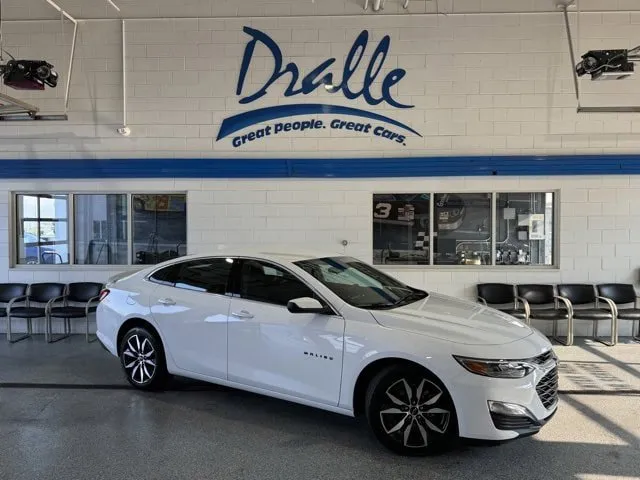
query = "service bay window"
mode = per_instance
[
  {"x": 464, "y": 229},
  {"x": 99, "y": 229},
  {"x": 42, "y": 229},
  {"x": 159, "y": 228}
]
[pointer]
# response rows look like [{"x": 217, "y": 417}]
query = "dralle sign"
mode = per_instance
[
  {"x": 313, "y": 79},
  {"x": 297, "y": 85}
]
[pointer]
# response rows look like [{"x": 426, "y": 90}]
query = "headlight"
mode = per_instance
[{"x": 496, "y": 368}]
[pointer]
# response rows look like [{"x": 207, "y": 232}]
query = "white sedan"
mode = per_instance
[{"x": 334, "y": 333}]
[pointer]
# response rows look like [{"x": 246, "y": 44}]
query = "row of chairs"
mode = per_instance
[
  {"x": 612, "y": 302},
  {"x": 48, "y": 300}
]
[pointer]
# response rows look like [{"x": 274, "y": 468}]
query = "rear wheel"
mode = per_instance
[
  {"x": 143, "y": 360},
  {"x": 410, "y": 411}
]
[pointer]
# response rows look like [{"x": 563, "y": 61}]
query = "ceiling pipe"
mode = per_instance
[
  {"x": 73, "y": 51},
  {"x": 110, "y": 2},
  {"x": 125, "y": 131},
  {"x": 378, "y": 5}
]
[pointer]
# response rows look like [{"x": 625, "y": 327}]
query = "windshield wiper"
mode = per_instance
[
  {"x": 411, "y": 297},
  {"x": 376, "y": 306}
]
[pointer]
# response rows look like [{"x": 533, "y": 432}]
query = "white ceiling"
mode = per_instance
[{"x": 83, "y": 9}]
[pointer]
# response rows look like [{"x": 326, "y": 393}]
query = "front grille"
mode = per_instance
[
  {"x": 507, "y": 422},
  {"x": 547, "y": 388}
]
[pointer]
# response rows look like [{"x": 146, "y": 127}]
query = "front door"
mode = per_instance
[
  {"x": 270, "y": 348},
  {"x": 191, "y": 307}
]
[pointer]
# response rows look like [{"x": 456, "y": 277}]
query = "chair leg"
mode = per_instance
[
  {"x": 635, "y": 336},
  {"x": 22, "y": 337},
  {"x": 65, "y": 328},
  {"x": 88, "y": 335},
  {"x": 568, "y": 341},
  {"x": 613, "y": 339}
]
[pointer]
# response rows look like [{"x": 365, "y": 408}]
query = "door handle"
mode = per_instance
[
  {"x": 167, "y": 301},
  {"x": 242, "y": 314}
]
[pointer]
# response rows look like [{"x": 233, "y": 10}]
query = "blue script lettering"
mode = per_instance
[{"x": 315, "y": 78}]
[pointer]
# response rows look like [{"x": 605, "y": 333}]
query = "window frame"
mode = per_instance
[
  {"x": 182, "y": 263},
  {"x": 237, "y": 280},
  {"x": 268, "y": 264},
  {"x": 14, "y": 219},
  {"x": 72, "y": 210},
  {"x": 555, "y": 265}
]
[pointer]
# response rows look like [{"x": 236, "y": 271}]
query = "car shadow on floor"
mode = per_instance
[{"x": 297, "y": 427}]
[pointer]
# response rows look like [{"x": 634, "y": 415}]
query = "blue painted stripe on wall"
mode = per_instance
[{"x": 321, "y": 168}]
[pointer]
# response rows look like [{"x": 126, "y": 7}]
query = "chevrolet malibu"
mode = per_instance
[{"x": 335, "y": 333}]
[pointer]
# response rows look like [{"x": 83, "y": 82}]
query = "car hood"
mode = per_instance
[{"x": 454, "y": 320}]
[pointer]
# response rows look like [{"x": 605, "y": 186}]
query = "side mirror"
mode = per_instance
[{"x": 306, "y": 305}]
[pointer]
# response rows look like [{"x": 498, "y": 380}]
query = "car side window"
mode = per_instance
[
  {"x": 210, "y": 275},
  {"x": 265, "y": 282},
  {"x": 166, "y": 276}
]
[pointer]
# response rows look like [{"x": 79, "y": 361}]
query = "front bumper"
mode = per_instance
[
  {"x": 536, "y": 397},
  {"x": 524, "y": 425}
]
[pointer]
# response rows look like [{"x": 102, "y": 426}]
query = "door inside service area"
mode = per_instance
[
  {"x": 271, "y": 348},
  {"x": 191, "y": 308}
]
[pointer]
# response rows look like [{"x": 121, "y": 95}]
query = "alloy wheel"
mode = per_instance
[
  {"x": 411, "y": 413},
  {"x": 139, "y": 359}
]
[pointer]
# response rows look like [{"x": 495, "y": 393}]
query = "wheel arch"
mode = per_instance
[
  {"x": 372, "y": 369},
  {"x": 133, "y": 323}
]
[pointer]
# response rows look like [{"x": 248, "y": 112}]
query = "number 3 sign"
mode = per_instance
[{"x": 382, "y": 210}]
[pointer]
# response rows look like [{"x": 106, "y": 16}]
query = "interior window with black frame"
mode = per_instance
[
  {"x": 265, "y": 282},
  {"x": 462, "y": 229},
  {"x": 101, "y": 233},
  {"x": 42, "y": 229},
  {"x": 159, "y": 227},
  {"x": 401, "y": 229},
  {"x": 524, "y": 228}
]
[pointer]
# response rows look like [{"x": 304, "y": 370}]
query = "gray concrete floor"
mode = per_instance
[{"x": 67, "y": 413}]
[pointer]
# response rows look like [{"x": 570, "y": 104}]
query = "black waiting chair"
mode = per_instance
[
  {"x": 10, "y": 294},
  {"x": 501, "y": 296},
  {"x": 541, "y": 303},
  {"x": 585, "y": 297},
  {"x": 79, "y": 302},
  {"x": 44, "y": 295},
  {"x": 620, "y": 294}
]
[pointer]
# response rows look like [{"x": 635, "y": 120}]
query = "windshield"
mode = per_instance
[{"x": 359, "y": 284}]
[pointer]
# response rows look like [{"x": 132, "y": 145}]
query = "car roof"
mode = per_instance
[{"x": 278, "y": 254}]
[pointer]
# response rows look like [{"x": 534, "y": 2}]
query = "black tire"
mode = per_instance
[
  {"x": 432, "y": 427},
  {"x": 143, "y": 359}
]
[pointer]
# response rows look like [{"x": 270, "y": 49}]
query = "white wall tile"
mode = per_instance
[{"x": 481, "y": 84}]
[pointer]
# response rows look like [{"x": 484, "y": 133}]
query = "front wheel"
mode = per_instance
[
  {"x": 143, "y": 360},
  {"x": 411, "y": 412}
]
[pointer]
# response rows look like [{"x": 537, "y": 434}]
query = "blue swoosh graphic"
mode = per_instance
[{"x": 238, "y": 122}]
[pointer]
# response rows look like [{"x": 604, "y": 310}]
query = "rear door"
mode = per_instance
[{"x": 191, "y": 307}]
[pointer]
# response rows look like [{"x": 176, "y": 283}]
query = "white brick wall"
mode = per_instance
[
  {"x": 315, "y": 214},
  {"x": 481, "y": 84}
]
